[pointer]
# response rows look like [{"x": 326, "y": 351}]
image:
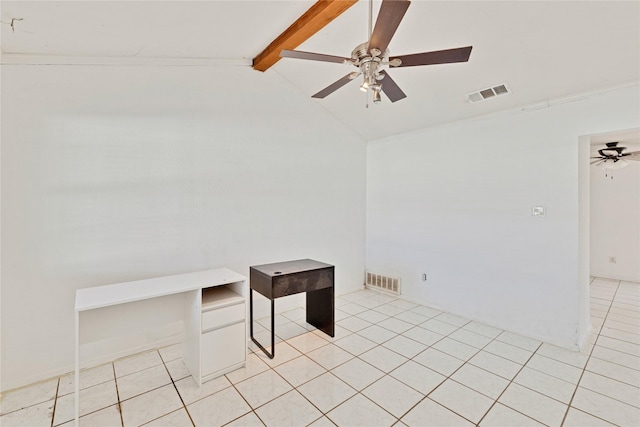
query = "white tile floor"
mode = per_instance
[{"x": 391, "y": 363}]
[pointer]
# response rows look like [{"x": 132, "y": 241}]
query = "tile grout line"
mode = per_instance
[
  {"x": 243, "y": 398},
  {"x": 467, "y": 361},
  {"x": 150, "y": 390},
  {"x": 55, "y": 403},
  {"x": 449, "y": 377},
  {"x": 511, "y": 381},
  {"x": 613, "y": 349},
  {"x": 589, "y": 356},
  {"x": 115, "y": 380},
  {"x": 611, "y": 304},
  {"x": 505, "y": 389},
  {"x": 397, "y": 334},
  {"x": 184, "y": 405},
  {"x": 495, "y": 339},
  {"x": 425, "y": 396},
  {"x": 431, "y": 346},
  {"x": 381, "y": 344},
  {"x": 284, "y": 379},
  {"x": 329, "y": 371},
  {"x": 245, "y": 379},
  {"x": 87, "y": 388}
]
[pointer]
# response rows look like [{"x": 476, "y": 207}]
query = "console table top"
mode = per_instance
[
  {"x": 119, "y": 293},
  {"x": 290, "y": 267}
]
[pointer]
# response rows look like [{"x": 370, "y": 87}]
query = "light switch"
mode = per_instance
[{"x": 538, "y": 211}]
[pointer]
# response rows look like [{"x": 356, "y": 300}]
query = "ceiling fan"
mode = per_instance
[
  {"x": 372, "y": 56},
  {"x": 614, "y": 157}
]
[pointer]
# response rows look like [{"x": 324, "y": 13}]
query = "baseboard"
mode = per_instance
[
  {"x": 622, "y": 278},
  {"x": 112, "y": 356},
  {"x": 571, "y": 347},
  {"x": 47, "y": 375}
]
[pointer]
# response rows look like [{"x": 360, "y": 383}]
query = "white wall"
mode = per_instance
[
  {"x": 615, "y": 222},
  {"x": 117, "y": 173},
  {"x": 455, "y": 202}
]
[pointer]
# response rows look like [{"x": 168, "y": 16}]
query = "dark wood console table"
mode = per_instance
[{"x": 287, "y": 278}]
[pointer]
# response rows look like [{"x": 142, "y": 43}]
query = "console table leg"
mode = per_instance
[
  {"x": 76, "y": 413},
  {"x": 251, "y": 313},
  {"x": 273, "y": 344},
  {"x": 321, "y": 310},
  {"x": 273, "y": 331}
]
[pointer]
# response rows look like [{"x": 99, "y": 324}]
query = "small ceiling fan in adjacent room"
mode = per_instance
[
  {"x": 372, "y": 56},
  {"x": 614, "y": 157}
]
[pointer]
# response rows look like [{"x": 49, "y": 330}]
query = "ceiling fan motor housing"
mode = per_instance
[
  {"x": 361, "y": 51},
  {"x": 612, "y": 150},
  {"x": 369, "y": 62}
]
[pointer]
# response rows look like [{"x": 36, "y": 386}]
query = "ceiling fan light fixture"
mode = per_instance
[
  {"x": 376, "y": 95},
  {"x": 370, "y": 76},
  {"x": 614, "y": 164}
]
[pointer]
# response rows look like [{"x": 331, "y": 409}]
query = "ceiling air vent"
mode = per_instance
[{"x": 489, "y": 92}]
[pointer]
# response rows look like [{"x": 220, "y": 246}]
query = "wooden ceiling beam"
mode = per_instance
[{"x": 312, "y": 21}]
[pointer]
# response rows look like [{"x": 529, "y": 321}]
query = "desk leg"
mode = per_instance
[
  {"x": 320, "y": 310},
  {"x": 273, "y": 344},
  {"x": 77, "y": 376}
]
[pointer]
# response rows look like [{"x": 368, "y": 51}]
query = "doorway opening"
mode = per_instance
[{"x": 609, "y": 214}]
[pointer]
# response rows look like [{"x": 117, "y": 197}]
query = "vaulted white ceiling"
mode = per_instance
[{"x": 543, "y": 50}]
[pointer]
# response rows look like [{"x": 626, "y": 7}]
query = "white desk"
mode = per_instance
[{"x": 210, "y": 314}]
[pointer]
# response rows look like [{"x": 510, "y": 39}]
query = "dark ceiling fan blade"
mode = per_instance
[
  {"x": 298, "y": 54},
  {"x": 634, "y": 155},
  {"x": 597, "y": 162},
  {"x": 389, "y": 17},
  {"x": 447, "y": 56},
  {"x": 334, "y": 86},
  {"x": 391, "y": 89}
]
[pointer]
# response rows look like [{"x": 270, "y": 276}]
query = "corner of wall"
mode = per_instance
[{"x": 583, "y": 339}]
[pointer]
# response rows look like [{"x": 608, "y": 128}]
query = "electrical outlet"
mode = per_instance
[
  {"x": 424, "y": 277},
  {"x": 612, "y": 259},
  {"x": 538, "y": 211}
]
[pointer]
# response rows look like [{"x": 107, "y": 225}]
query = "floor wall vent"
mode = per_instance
[
  {"x": 490, "y": 92},
  {"x": 383, "y": 283}
]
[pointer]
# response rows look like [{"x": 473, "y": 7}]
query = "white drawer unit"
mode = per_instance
[
  {"x": 223, "y": 350},
  {"x": 223, "y": 338},
  {"x": 223, "y": 316}
]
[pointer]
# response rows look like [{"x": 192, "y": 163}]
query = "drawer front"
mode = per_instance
[
  {"x": 223, "y": 316},
  {"x": 223, "y": 347}
]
